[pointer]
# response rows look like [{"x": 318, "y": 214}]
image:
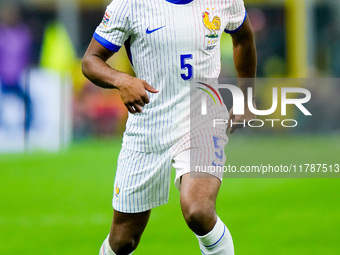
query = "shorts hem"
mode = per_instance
[
  {"x": 177, "y": 181},
  {"x": 140, "y": 209}
]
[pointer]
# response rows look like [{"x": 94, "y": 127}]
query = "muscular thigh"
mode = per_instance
[{"x": 201, "y": 188}]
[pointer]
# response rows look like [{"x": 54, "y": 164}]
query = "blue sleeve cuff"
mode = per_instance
[
  {"x": 108, "y": 45},
  {"x": 233, "y": 31}
]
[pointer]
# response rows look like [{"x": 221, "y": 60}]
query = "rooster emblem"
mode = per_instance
[
  {"x": 117, "y": 190},
  {"x": 212, "y": 26}
]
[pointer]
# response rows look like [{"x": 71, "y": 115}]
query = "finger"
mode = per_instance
[
  {"x": 149, "y": 88},
  {"x": 140, "y": 102},
  {"x": 237, "y": 119},
  {"x": 229, "y": 121},
  {"x": 231, "y": 117},
  {"x": 232, "y": 129},
  {"x": 233, "y": 126},
  {"x": 145, "y": 99},
  {"x": 130, "y": 109},
  {"x": 137, "y": 108}
]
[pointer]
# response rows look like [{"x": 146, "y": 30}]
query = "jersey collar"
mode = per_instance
[{"x": 179, "y": 1}]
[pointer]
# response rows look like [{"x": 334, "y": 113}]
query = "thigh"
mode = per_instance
[
  {"x": 202, "y": 156},
  {"x": 142, "y": 180},
  {"x": 202, "y": 189}
]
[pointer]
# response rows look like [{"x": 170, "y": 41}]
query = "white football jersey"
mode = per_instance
[{"x": 169, "y": 43}]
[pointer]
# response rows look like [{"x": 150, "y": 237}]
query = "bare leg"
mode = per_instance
[
  {"x": 198, "y": 199},
  {"x": 126, "y": 231}
]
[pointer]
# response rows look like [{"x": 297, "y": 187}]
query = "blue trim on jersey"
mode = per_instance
[
  {"x": 208, "y": 246},
  {"x": 233, "y": 31},
  {"x": 108, "y": 45},
  {"x": 179, "y": 1}
]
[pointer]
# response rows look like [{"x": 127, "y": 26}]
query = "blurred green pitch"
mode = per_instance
[{"x": 61, "y": 203}]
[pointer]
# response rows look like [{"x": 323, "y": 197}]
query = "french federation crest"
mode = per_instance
[
  {"x": 212, "y": 26},
  {"x": 117, "y": 190}
]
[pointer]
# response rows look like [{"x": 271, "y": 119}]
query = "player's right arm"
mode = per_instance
[{"x": 132, "y": 90}]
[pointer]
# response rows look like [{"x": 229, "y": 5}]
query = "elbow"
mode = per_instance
[{"x": 84, "y": 66}]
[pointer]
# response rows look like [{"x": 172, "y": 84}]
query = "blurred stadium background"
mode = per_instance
[{"x": 57, "y": 175}]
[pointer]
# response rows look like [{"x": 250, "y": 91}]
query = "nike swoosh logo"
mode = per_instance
[{"x": 153, "y": 30}]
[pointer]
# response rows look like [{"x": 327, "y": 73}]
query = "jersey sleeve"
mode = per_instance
[
  {"x": 236, "y": 16},
  {"x": 114, "y": 29}
]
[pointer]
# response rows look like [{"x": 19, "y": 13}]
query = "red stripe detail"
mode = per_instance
[
  {"x": 104, "y": 253},
  {"x": 213, "y": 90}
]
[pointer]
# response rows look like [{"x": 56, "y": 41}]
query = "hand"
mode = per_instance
[
  {"x": 248, "y": 115},
  {"x": 133, "y": 93}
]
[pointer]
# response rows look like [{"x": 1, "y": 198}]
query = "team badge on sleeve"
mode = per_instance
[{"x": 106, "y": 19}]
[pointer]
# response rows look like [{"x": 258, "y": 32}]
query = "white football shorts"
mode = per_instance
[{"x": 142, "y": 179}]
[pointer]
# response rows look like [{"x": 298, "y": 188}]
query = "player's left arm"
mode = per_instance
[{"x": 245, "y": 60}]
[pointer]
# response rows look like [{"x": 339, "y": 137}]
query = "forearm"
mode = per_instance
[
  {"x": 133, "y": 91},
  {"x": 100, "y": 73}
]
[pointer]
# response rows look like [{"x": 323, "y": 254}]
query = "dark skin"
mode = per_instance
[
  {"x": 197, "y": 195},
  {"x": 202, "y": 192},
  {"x": 132, "y": 90},
  {"x": 245, "y": 61}
]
